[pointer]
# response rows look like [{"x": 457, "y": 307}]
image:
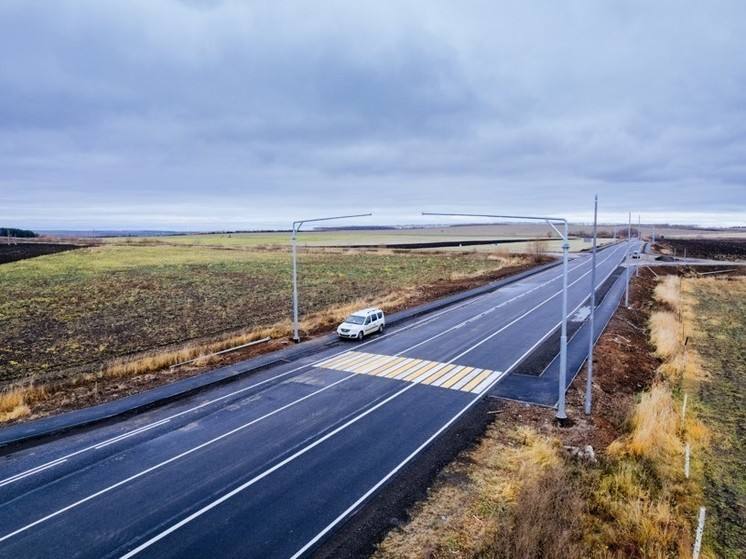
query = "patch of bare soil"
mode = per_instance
[
  {"x": 22, "y": 251},
  {"x": 74, "y": 395},
  {"x": 715, "y": 249},
  {"x": 447, "y": 287}
]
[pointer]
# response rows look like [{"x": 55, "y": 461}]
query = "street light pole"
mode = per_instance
[
  {"x": 561, "y": 415},
  {"x": 639, "y": 238},
  {"x": 629, "y": 240},
  {"x": 296, "y": 227},
  {"x": 589, "y": 368}
]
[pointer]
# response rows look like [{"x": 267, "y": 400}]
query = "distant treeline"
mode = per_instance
[{"x": 20, "y": 233}]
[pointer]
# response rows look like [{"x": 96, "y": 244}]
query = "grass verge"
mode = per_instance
[{"x": 715, "y": 324}]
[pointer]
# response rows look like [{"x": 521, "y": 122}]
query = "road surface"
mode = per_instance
[{"x": 270, "y": 466}]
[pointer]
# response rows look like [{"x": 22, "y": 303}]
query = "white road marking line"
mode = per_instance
[
  {"x": 264, "y": 474},
  {"x": 467, "y": 379},
  {"x": 453, "y": 372},
  {"x": 169, "y": 461},
  {"x": 132, "y": 433},
  {"x": 509, "y": 324},
  {"x": 388, "y": 476},
  {"x": 32, "y": 471}
]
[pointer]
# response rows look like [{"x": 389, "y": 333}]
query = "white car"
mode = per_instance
[{"x": 361, "y": 323}]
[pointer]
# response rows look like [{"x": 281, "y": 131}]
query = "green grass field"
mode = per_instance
[
  {"x": 720, "y": 308},
  {"x": 372, "y": 237},
  {"x": 68, "y": 313}
]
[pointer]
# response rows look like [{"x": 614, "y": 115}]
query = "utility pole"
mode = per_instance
[
  {"x": 639, "y": 238},
  {"x": 294, "y": 238},
  {"x": 589, "y": 368},
  {"x": 561, "y": 415},
  {"x": 629, "y": 235}
]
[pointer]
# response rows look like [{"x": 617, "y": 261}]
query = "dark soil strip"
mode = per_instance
[
  {"x": 715, "y": 249},
  {"x": 445, "y": 244},
  {"x": 14, "y": 253}
]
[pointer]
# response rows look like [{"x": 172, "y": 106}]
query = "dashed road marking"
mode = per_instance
[{"x": 443, "y": 375}]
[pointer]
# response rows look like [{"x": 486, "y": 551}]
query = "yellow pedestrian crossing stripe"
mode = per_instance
[{"x": 443, "y": 375}]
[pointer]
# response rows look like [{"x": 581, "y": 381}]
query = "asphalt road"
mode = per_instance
[{"x": 270, "y": 466}]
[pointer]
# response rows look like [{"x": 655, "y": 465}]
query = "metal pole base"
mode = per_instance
[{"x": 296, "y": 340}]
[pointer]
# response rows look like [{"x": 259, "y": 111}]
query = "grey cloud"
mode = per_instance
[{"x": 292, "y": 105}]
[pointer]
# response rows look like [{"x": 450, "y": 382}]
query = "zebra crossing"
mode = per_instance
[{"x": 443, "y": 375}]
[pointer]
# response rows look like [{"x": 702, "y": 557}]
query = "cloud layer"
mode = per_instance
[{"x": 207, "y": 114}]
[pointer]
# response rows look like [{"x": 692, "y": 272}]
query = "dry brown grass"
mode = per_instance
[
  {"x": 644, "y": 491},
  {"x": 668, "y": 292},
  {"x": 13, "y": 405},
  {"x": 516, "y": 502},
  {"x": 665, "y": 330},
  {"x": 655, "y": 425},
  {"x": 15, "y": 402}
]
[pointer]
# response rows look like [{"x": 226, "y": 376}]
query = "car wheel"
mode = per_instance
[
  {"x": 380, "y": 329},
  {"x": 360, "y": 336}
]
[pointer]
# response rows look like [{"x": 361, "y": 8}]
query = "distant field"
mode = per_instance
[
  {"x": 681, "y": 233},
  {"x": 68, "y": 313},
  {"x": 373, "y": 237}
]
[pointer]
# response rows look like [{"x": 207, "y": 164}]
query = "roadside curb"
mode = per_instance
[{"x": 53, "y": 426}]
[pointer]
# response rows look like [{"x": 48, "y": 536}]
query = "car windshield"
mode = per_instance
[{"x": 355, "y": 319}]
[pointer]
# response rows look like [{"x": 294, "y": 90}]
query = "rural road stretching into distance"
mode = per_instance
[{"x": 269, "y": 466}]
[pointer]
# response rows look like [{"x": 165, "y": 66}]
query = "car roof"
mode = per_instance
[{"x": 366, "y": 312}]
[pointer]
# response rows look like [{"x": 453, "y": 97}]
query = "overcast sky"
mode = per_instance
[{"x": 210, "y": 114}]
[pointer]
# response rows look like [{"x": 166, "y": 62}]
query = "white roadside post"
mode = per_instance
[
  {"x": 700, "y": 532},
  {"x": 296, "y": 227},
  {"x": 561, "y": 415},
  {"x": 589, "y": 368}
]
